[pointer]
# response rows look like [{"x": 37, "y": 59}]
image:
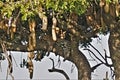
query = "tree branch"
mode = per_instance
[
  {"x": 96, "y": 50},
  {"x": 94, "y": 67},
  {"x": 94, "y": 55},
  {"x": 9, "y": 58},
  {"x": 58, "y": 70}
]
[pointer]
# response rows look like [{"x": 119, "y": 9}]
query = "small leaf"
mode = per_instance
[{"x": 24, "y": 17}]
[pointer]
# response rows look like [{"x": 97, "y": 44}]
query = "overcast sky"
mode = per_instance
[{"x": 41, "y": 68}]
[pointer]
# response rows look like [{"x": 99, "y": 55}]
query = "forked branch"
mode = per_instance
[{"x": 58, "y": 70}]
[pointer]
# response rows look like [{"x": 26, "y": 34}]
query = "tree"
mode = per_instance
[{"x": 59, "y": 27}]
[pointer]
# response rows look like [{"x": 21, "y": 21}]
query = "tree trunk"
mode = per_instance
[
  {"x": 78, "y": 58},
  {"x": 114, "y": 45}
]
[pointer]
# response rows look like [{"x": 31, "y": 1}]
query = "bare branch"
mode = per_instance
[
  {"x": 106, "y": 78},
  {"x": 94, "y": 55},
  {"x": 59, "y": 62},
  {"x": 58, "y": 70},
  {"x": 72, "y": 68},
  {"x": 94, "y": 67},
  {"x": 9, "y": 58},
  {"x": 107, "y": 63},
  {"x": 52, "y": 61},
  {"x": 96, "y": 50}
]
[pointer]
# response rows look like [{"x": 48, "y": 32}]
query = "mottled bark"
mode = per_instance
[
  {"x": 77, "y": 57},
  {"x": 114, "y": 45}
]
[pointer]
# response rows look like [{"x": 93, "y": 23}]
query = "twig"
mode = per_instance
[
  {"x": 96, "y": 2},
  {"x": 112, "y": 73},
  {"x": 105, "y": 63},
  {"x": 9, "y": 70},
  {"x": 94, "y": 67},
  {"x": 59, "y": 62},
  {"x": 94, "y": 55},
  {"x": 72, "y": 68},
  {"x": 58, "y": 70},
  {"x": 106, "y": 78},
  {"x": 96, "y": 50},
  {"x": 17, "y": 17},
  {"x": 52, "y": 61}
]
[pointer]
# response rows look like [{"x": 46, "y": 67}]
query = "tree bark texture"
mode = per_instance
[
  {"x": 114, "y": 45},
  {"x": 77, "y": 57}
]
